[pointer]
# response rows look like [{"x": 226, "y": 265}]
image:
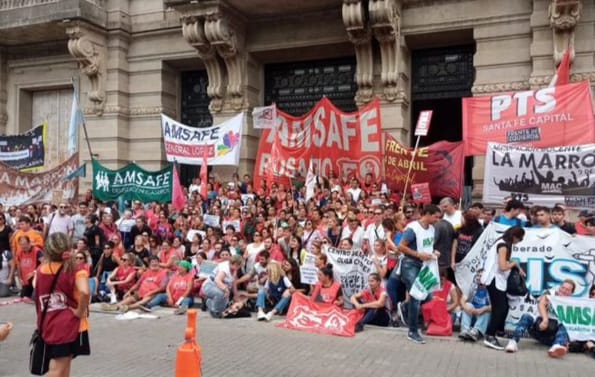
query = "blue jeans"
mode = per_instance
[
  {"x": 527, "y": 323},
  {"x": 395, "y": 289},
  {"x": 480, "y": 322},
  {"x": 281, "y": 305},
  {"x": 216, "y": 300},
  {"x": 161, "y": 300},
  {"x": 378, "y": 317},
  {"x": 409, "y": 270}
]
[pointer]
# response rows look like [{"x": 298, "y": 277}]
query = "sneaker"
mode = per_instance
[
  {"x": 492, "y": 342},
  {"x": 113, "y": 299},
  {"x": 359, "y": 327},
  {"x": 400, "y": 313},
  {"x": 261, "y": 316},
  {"x": 415, "y": 337},
  {"x": 181, "y": 310},
  {"x": 512, "y": 346},
  {"x": 474, "y": 335},
  {"x": 464, "y": 335},
  {"x": 108, "y": 307},
  {"x": 557, "y": 351},
  {"x": 203, "y": 304},
  {"x": 216, "y": 315},
  {"x": 145, "y": 308},
  {"x": 268, "y": 316}
]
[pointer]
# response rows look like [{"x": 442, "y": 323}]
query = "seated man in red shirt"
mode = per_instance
[
  {"x": 178, "y": 292},
  {"x": 152, "y": 282}
]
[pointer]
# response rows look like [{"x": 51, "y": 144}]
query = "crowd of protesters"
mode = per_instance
[{"x": 245, "y": 256}]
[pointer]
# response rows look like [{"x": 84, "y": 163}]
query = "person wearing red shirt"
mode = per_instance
[
  {"x": 28, "y": 258},
  {"x": 373, "y": 301},
  {"x": 327, "y": 290},
  {"x": 122, "y": 278},
  {"x": 178, "y": 291}
]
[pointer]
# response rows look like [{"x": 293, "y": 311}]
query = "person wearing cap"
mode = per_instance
[
  {"x": 581, "y": 226},
  {"x": 178, "y": 291}
]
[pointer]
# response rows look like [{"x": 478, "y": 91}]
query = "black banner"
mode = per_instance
[{"x": 24, "y": 151}]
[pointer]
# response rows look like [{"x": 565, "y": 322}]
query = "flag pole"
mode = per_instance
[
  {"x": 84, "y": 124},
  {"x": 409, "y": 172}
]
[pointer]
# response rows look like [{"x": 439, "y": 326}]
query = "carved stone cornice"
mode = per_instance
[
  {"x": 564, "y": 16},
  {"x": 88, "y": 47},
  {"x": 500, "y": 87},
  {"x": 542, "y": 81},
  {"x": 385, "y": 20},
  {"x": 358, "y": 32},
  {"x": 194, "y": 32},
  {"x": 132, "y": 111}
]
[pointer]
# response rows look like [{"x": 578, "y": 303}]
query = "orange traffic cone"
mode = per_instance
[{"x": 189, "y": 356}]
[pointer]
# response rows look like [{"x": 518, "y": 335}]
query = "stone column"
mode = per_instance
[
  {"x": 218, "y": 34},
  {"x": 393, "y": 87},
  {"x": 3, "y": 91}
]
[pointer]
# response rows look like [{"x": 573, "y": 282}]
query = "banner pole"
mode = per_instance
[
  {"x": 84, "y": 123},
  {"x": 409, "y": 171}
]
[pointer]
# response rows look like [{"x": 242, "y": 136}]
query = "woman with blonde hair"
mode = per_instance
[
  {"x": 277, "y": 289},
  {"x": 62, "y": 319}
]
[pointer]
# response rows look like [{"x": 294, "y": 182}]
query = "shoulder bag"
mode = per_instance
[
  {"x": 516, "y": 285},
  {"x": 39, "y": 362}
]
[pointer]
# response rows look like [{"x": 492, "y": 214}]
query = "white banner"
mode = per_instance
[
  {"x": 351, "y": 269},
  {"x": 541, "y": 176},
  {"x": 577, "y": 315},
  {"x": 186, "y": 144},
  {"x": 548, "y": 256}
]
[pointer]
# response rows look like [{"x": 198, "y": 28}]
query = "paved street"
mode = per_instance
[{"x": 244, "y": 347}]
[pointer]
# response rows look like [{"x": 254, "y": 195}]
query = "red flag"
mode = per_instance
[
  {"x": 562, "y": 76},
  {"x": 178, "y": 198},
  {"x": 204, "y": 173},
  {"x": 322, "y": 318}
]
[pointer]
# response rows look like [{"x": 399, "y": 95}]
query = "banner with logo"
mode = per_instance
[
  {"x": 19, "y": 188},
  {"x": 346, "y": 144},
  {"x": 548, "y": 256},
  {"x": 559, "y": 115},
  {"x": 440, "y": 164},
  {"x": 321, "y": 318},
  {"x": 132, "y": 183},
  {"x": 577, "y": 315},
  {"x": 186, "y": 144},
  {"x": 264, "y": 116},
  {"x": 351, "y": 268},
  {"x": 541, "y": 176},
  {"x": 24, "y": 151}
]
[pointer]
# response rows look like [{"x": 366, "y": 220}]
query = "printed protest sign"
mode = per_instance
[
  {"x": 559, "y": 115},
  {"x": 548, "y": 256},
  {"x": 541, "y": 176},
  {"x": 351, "y": 268},
  {"x": 24, "y": 151},
  {"x": 440, "y": 165},
  {"x": 420, "y": 193},
  {"x": 235, "y": 223},
  {"x": 264, "y": 116},
  {"x": 308, "y": 270},
  {"x": 211, "y": 220},
  {"x": 423, "y": 123},
  {"x": 186, "y": 145},
  {"x": 346, "y": 144},
  {"x": 132, "y": 183}
]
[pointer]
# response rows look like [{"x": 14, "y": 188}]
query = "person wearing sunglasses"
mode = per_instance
[
  {"x": 122, "y": 278},
  {"x": 59, "y": 221}
]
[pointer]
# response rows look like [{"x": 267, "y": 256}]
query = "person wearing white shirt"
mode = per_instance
[
  {"x": 354, "y": 231},
  {"x": 374, "y": 231},
  {"x": 450, "y": 213},
  {"x": 354, "y": 190}
]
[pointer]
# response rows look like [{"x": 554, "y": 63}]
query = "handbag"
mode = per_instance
[
  {"x": 516, "y": 285},
  {"x": 39, "y": 362}
]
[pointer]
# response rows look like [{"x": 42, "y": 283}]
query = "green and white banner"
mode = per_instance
[
  {"x": 577, "y": 315},
  {"x": 132, "y": 182}
]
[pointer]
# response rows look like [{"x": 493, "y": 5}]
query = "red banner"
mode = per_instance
[
  {"x": 440, "y": 164},
  {"x": 304, "y": 315},
  {"x": 346, "y": 144},
  {"x": 560, "y": 115}
]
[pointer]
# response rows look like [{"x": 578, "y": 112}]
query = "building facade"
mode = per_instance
[{"x": 203, "y": 61}]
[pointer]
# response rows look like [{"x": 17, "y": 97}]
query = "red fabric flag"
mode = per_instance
[
  {"x": 204, "y": 173},
  {"x": 178, "y": 198},
  {"x": 305, "y": 315},
  {"x": 562, "y": 76}
]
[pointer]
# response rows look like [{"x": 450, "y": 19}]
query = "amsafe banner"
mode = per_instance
[
  {"x": 541, "y": 176},
  {"x": 133, "y": 183},
  {"x": 24, "y": 151},
  {"x": 560, "y": 115},
  {"x": 346, "y": 144},
  {"x": 440, "y": 164},
  {"x": 19, "y": 188},
  {"x": 186, "y": 144}
]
